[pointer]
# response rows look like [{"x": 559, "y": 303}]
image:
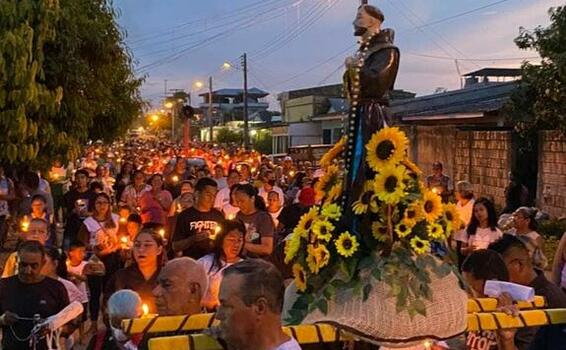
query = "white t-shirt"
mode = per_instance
[
  {"x": 275, "y": 217},
  {"x": 483, "y": 237},
  {"x": 210, "y": 297},
  {"x": 291, "y": 344},
  {"x": 222, "y": 198},
  {"x": 78, "y": 270},
  {"x": 73, "y": 292}
]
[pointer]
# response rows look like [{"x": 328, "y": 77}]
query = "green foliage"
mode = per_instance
[
  {"x": 225, "y": 135},
  {"x": 26, "y": 103},
  {"x": 538, "y": 103},
  {"x": 65, "y": 77},
  {"x": 263, "y": 143},
  {"x": 552, "y": 228}
]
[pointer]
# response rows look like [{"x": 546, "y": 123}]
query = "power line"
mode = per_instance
[{"x": 471, "y": 59}]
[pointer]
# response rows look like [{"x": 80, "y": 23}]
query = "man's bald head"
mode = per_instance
[{"x": 181, "y": 285}]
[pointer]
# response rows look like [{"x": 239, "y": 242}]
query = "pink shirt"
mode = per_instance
[{"x": 153, "y": 210}]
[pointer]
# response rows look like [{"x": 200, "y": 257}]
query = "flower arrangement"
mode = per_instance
[{"x": 399, "y": 222}]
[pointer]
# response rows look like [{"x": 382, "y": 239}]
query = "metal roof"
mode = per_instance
[
  {"x": 237, "y": 92},
  {"x": 495, "y": 72}
]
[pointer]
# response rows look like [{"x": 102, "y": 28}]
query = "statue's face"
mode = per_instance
[{"x": 363, "y": 22}]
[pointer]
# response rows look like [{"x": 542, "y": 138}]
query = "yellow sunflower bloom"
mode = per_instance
[
  {"x": 331, "y": 211},
  {"x": 403, "y": 230},
  {"x": 346, "y": 244},
  {"x": 292, "y": 247},
  {"x": 420, "y": 246},
  {"x": 389, "y": 185},
  {"x": 335, "y": 193},
  {"x": 379, "y": 232},
  {"x": 306, "y": 222},
  {"x": 431, "y": 206},
  {"x": 317, "y": 258},
  {"x": 328, "y": 158},
  {"x": 413, "y": 214},
  {"x": 362, "y": 204},
  {"x": 328, "y": 183},
  {"x": 374, "y": 204},
  {"x": 451, "y": 214},
  {"x": 300, "y": 277},
  {"x": 323, "y": 230},
  {"x": 387, "y": 147},
  {"x": 435, "y": 231}
]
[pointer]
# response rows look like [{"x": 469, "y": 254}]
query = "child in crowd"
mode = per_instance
[{"x": 77, "y": 268}]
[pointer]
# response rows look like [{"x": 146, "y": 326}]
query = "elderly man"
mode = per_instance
[
  {"x": 38, "y": 230},
  {"x": 180, "y": 286},
  {"x": 251, "y": 300}
]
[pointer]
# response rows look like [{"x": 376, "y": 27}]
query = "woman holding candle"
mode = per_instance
[
  {"x": 228, "y": 247},
  {"x": 99, "y": 233},
  {"x": 155, "y": 204},
  {"x": 141, "y": 276},
  {"x": 132, "y": 194},
  {"x": 259, "y": 224}
]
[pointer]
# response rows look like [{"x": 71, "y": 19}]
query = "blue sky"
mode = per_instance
[{"x": 301, "y": 43}]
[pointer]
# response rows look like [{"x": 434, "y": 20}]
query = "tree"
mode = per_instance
[
  {"x": 65, "y": 77},
  {"x": 26, "y": 103},
  {"x": 90, "y": 62},
  {"x": 225, "y": 135},
  {"x": 538, "y": 102}
]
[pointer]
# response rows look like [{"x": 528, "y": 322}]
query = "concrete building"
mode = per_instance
[{"x": 228, "y": 104}]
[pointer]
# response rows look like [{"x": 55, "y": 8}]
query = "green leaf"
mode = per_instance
[
  {"x": 323, "y": 306},
  {"x": 366, "y": 262},
  {"x": 419, "y": 307}
]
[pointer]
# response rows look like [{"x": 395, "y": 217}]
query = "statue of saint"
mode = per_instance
[{"x": 369, "y": 77}]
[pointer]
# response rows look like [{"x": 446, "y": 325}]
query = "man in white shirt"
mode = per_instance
[{"x": 223, "y": 196}]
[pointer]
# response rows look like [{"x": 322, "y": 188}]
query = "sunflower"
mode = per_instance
[
  {"x": 346, "y": 244},
  {"x": 292, "y": 247},
  {"x": 389, "y": 185},
  {"x": 306, "y": 222},
  {"x": 379, "y": 232},
  {"x": 374, "y": 204},
  {"x": 331, "y": 211},
  {"x": 412, "y": 167},
  {"x": 387, "y": 147},
  {"x": 413, "y": 214},
  {"x": 431, "y": 205},
  {"x": 420, "y": 246},
  {"x": 451, "y": 214},
  {"x": 361, "y": 205},
  {"x": 317, "y": 258},
  {"x": 328, "y": 183},
  {"x": 333, "y": 153},
  {"x": 335, "y": 193},
  {"x": 300, "y": 277},
  {"x": 403, "y": 230},
  {"x": 323, "y": 230},
  {"x": 435, "y": 231}
]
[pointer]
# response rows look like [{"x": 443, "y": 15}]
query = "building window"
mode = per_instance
[
  {"x": 280, "y": 144},
  {"x": 337, "y": 134},
  {"x": 327, "y": 136}
]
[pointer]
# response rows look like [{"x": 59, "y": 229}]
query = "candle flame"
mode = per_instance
[
  {"x": 231, "y": 216},
  {"x": 25, "y": 224},
  {"x": 162, "y": 233},
  {"x": 124, "y": 239},
  {"x": 175, "y": 178},
  {"x": 123, "y": 220},
  {"x": 145, "y": 309}
]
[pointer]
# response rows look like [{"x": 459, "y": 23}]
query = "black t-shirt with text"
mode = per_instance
[
  {"x": 45, "y": 298},
  {"x": 191, "y": 222}
]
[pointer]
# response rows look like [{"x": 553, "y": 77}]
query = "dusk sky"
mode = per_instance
[{"x": 302, "y": 43}]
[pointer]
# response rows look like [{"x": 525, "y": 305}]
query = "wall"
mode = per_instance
[
  {"x": 552, "y": 173},
  {"x": 490, "y": 156}
]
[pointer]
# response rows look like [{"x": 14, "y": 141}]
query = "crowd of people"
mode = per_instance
[{"x": 142, "y": 227}]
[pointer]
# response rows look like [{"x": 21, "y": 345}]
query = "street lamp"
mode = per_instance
[
  {"x": 198, "y": 84},
  {"x": 154, "y": 118},
  {"x": 226, "y": 65}
]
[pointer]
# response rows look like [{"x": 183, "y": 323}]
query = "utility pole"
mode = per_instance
[
  {"x": 245, "y": 96},
  {"x": 210, "y": 107}
]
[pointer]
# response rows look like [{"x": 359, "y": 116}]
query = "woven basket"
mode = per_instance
[{"x": 377, "y": 321}]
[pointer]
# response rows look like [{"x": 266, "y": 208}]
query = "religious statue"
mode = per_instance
[{"x": 369, "y": 77}]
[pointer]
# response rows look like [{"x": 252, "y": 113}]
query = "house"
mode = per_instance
[
  {"x": 314, "y": 116},
  {"x": 228, "y": 104}
]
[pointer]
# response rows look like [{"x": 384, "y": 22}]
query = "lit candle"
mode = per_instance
[
  {"x": 25, "y": 224},
  {"x": 427, "y": 345},
  {"x": 175, "y": 178},
  {"x": 145, "y": 309},
  {"x": 291, "y": 173},
  {"x": 162, "y": 233},
  {"x": 123, "y": 220},
  {"x": 124, "y": 240},
  {"x": 231, "y": 216}
]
